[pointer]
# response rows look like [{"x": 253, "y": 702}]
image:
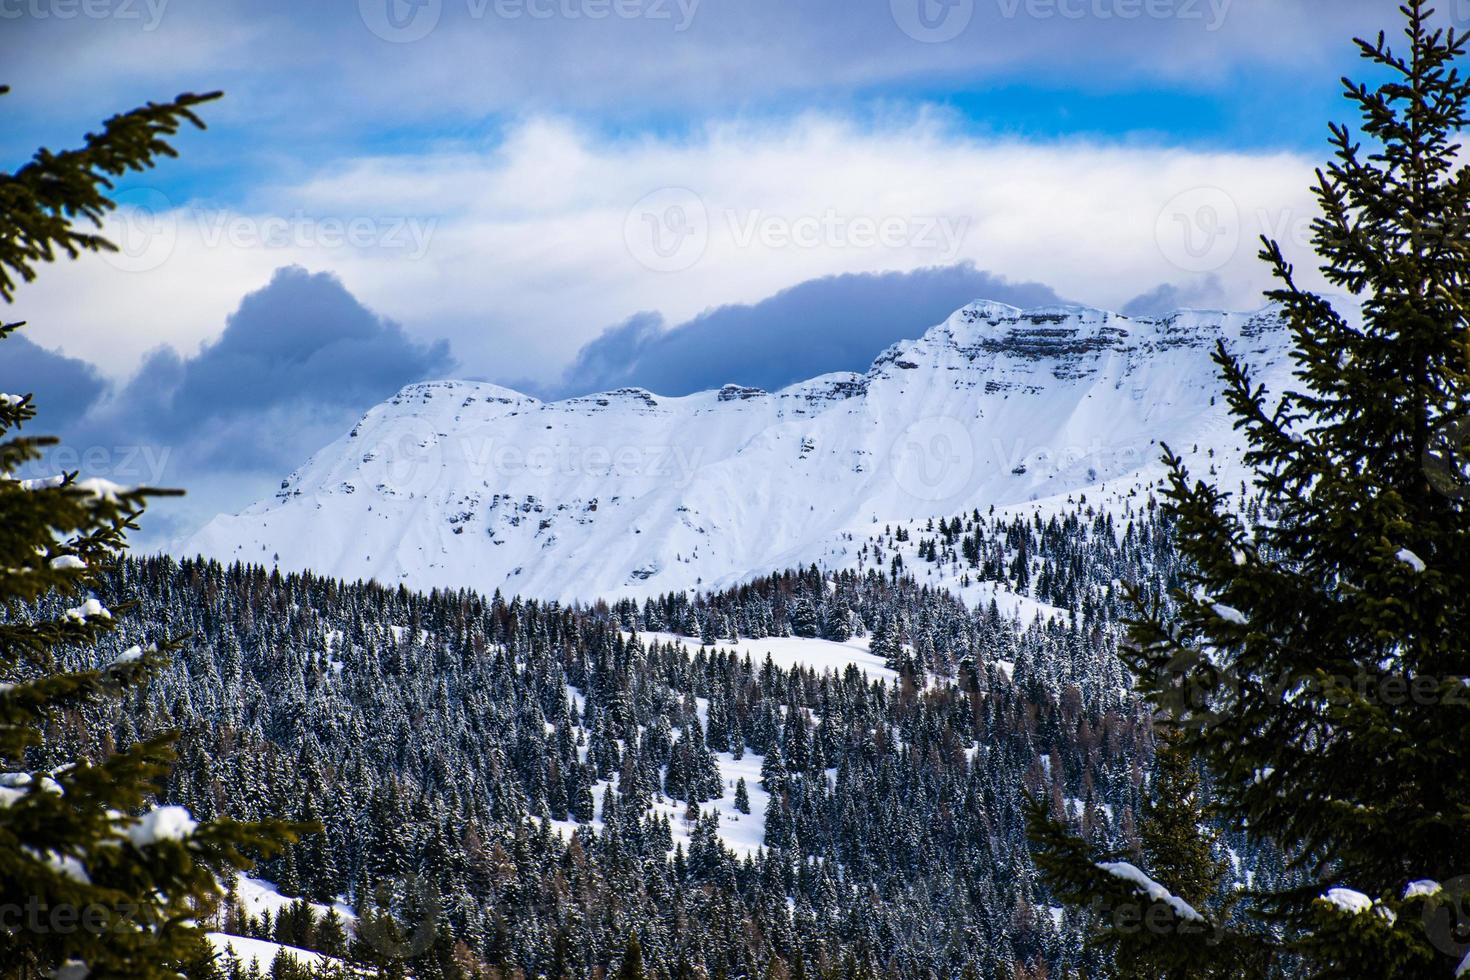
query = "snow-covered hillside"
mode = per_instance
[
  {"x": 632, "y": 493},
  {"x": 259, "y": 900}
]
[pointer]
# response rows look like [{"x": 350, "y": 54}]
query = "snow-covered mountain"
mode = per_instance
[{"x": 632, "y": 493}]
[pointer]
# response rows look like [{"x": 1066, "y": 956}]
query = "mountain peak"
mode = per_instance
[
  {"x": 990, "y": 310},
  {"x": 421, "y": 392},
  {"x": 631, "y": 493}
]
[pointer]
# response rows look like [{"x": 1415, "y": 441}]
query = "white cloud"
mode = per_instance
[{"x": 533, "y": 245}]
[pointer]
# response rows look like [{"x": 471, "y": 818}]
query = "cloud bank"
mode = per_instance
[
  {"x": 68, "y": 385},
  {"x": 300, "y": 345},
  {"x": 527, "y": 249},
  {"x": 298, "y": 361},
  {"x": 836, "y": 323}
]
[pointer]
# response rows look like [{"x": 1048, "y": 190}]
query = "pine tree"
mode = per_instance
[
  {"x": 742, "y": 796},
  {"x": 1139, "y": 932},
  {"x": 80, "y": 840},
  {"x": 1315, "y": 657},
  {"x": 839, "y": 621},
  {"x": 886, "y": 644},
  {"x": 632, "y": 965},
  {"x": 803, "y": 617},
  {"x": 1178, "y": 844},
  {"x": 331, "y": 937}
]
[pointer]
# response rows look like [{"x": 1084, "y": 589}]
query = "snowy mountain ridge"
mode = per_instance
[{"x": 632, "y": 493}]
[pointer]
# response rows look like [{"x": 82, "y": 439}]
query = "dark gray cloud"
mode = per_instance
[
  {"x": 299, "y": 360},
  {"x": 65, "y": 387},
  {"x": 301, "y": 350},
  {"x": 839, "y": 323},
  {"x": 1167, "y": 297}
]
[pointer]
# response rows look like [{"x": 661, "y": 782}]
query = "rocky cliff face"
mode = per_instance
[{"x": 629, "y": 492}]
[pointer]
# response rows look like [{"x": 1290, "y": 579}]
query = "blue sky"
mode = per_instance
[{"x": 559, "y": 194}]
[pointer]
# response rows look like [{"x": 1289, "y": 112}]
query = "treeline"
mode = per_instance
[{"x": 512, "y": 788}]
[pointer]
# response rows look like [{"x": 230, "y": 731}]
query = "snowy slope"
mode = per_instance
[
  {"x": 256, "y": 897},
  {"x": 787, "y": 652},
  {"x": 261, "y": 954},
  {"x": 632, "y": 493}
]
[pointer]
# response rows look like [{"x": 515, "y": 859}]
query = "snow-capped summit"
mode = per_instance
[{"x": 629, "y": 492}]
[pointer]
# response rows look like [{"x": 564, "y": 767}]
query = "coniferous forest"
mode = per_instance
[
  {"x": 518, "y": 788},
  {"x": 1198, "y": 732}
]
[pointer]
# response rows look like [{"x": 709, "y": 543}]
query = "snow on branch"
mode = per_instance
[
  {"x": 1229, "y": 613},
  {"x": 88, "y": 610},
  {"x": 165, "y": 823},
  {"x": 1155, "y": 891},
  {"x": 1412, "y": 560}
]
